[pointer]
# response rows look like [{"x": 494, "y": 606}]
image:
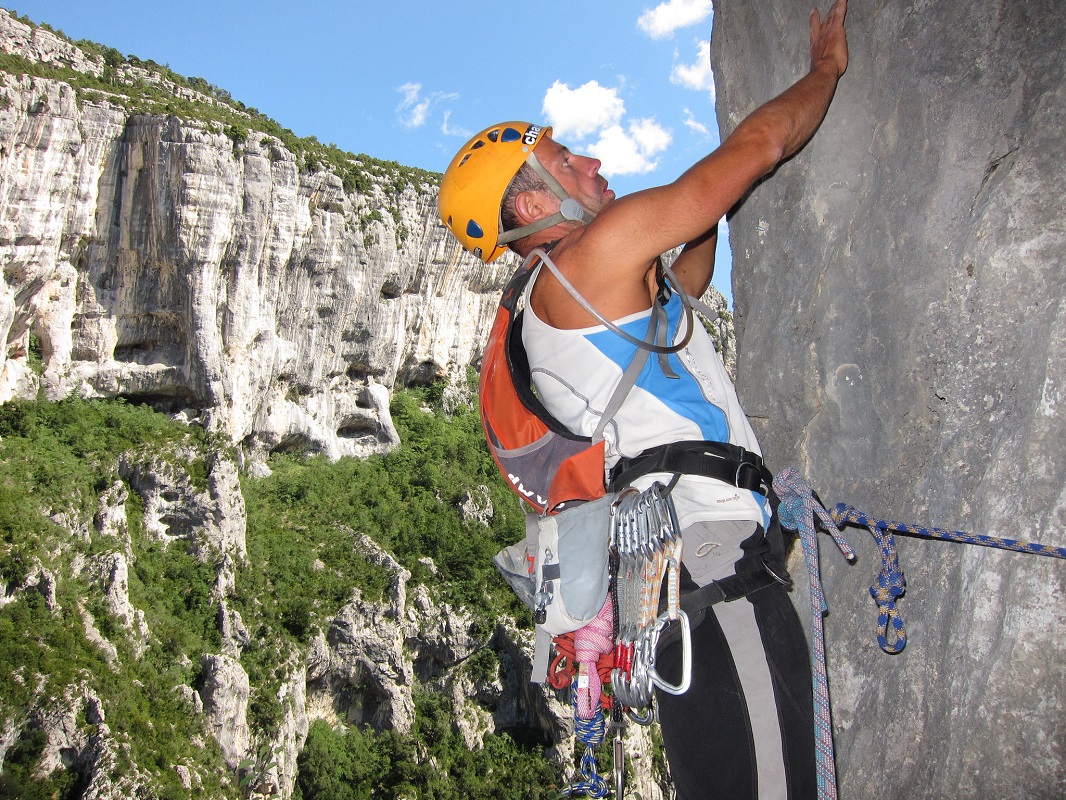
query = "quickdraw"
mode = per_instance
[{"x": 646, "y": 536}]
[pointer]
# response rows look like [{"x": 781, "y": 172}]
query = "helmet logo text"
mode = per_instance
[{"x": 531, "y": 135}]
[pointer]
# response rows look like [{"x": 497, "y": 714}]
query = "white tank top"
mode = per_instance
[{"x": 575, "y": 373}]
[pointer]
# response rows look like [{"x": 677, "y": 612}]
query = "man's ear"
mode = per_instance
[{"x": 532, "y": 205}]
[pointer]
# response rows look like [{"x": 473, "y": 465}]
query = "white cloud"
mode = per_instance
[
  {"x": 590, "y": 119},
  {"x": 668, "y": 17},
  {"x": 651, "y": 137},
  {"x": 698, "y": 75},
  {"x": 413, "y": 108},
  {"x": 410, "y": 92},
  {"x": 448, "y": 130},
  {"x": 694, "y": 124},
  {"x": 631, "y": 150},
  {"x": 581, "y": 112}
]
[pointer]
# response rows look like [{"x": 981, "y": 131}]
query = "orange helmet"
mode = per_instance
[{"x": 474, "y": 184}]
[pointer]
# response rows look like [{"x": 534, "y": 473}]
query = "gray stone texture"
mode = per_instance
[{"x": 901, "y": 323}]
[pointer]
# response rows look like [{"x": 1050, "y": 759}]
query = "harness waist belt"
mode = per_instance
[
  {"x": 726, "y": 590},
  {"x": 725, "y": 462}
]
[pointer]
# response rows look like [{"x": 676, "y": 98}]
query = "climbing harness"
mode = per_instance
[
  {"x": 619, "y": 646},
  {"x": 644, "y": 535}
]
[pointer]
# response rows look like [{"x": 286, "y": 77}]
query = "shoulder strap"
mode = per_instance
[
  {"x": 644, "y": 344},
  {"x": 515, "y": 353},
  {"x": 654, "y": 340}
]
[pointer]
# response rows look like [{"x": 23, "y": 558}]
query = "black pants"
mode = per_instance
[{"x": 745, "y": 728}]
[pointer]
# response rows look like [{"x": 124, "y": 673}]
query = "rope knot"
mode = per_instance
[
  {"x": 890, "y": 586},
  {"x": 590, "y": 732}
]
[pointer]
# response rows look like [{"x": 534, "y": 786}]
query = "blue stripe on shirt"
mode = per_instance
[{"x": 682, "y": 395}]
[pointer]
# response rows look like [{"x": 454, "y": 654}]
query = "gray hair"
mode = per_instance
[{"x": 525, "y": 180}]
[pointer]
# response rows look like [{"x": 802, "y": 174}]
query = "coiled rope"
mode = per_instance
[{"x": 588, "y": 648}]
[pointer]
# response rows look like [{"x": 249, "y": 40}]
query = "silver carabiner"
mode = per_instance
[
  {"x": 620, "y": 515},
  {"x": 619, "y": 764},
  {"x": 686, "y": 654},
  {"x": 644, "y": 541},
  {"x": 647, "y": 718}
]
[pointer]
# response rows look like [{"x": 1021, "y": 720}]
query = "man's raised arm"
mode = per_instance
[{"x": 687, "y": 209}]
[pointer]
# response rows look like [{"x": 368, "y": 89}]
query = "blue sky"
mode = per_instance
[{"x": 627, "y": 81}]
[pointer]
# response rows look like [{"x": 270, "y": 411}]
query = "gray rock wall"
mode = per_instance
[{"x": 899, "y": 289}]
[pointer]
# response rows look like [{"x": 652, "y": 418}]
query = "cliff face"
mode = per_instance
[
  {"x": 200, "y": 268},
  {"x": 160, "y": 259},
  {"x": 900, "y": 293}
]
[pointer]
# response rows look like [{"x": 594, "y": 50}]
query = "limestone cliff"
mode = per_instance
[
  {"x": 899, "y": 290},
  {"x": 202, "y": 265},
  {"x": 158, "y": 258}
]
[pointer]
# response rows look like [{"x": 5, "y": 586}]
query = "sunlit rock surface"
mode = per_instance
[{"x": 159, "y": 259}]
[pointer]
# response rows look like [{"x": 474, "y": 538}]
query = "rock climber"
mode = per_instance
[{"x": 745, "y": 727}]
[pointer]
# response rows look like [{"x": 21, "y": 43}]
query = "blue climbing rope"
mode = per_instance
[
  {"x": 890, "y": 582},
  {"x": 802, "y": 511},
  {"x": 889, "y": 587},
  {"x": 845, "y": 514},
  {"x": 589, "y": 732}
]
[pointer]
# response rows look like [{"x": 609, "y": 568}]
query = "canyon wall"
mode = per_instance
[{"x": 157, "y": 258}]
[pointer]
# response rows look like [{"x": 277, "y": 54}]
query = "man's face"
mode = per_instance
[{"x": 579, "y": 175}]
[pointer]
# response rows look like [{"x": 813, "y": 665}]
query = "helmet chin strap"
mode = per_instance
[{"x": 570, "y": 210}]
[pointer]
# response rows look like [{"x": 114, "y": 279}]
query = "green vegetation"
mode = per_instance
[
  {"x": 56, "y": 459},
  {"x": 59, "y": 457},
  {"x": 359, "y": 764},
  {"x": 17, "y": 779},
  {"x": 407, "y": 501},
  {"x": 34, "y": 355}
]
